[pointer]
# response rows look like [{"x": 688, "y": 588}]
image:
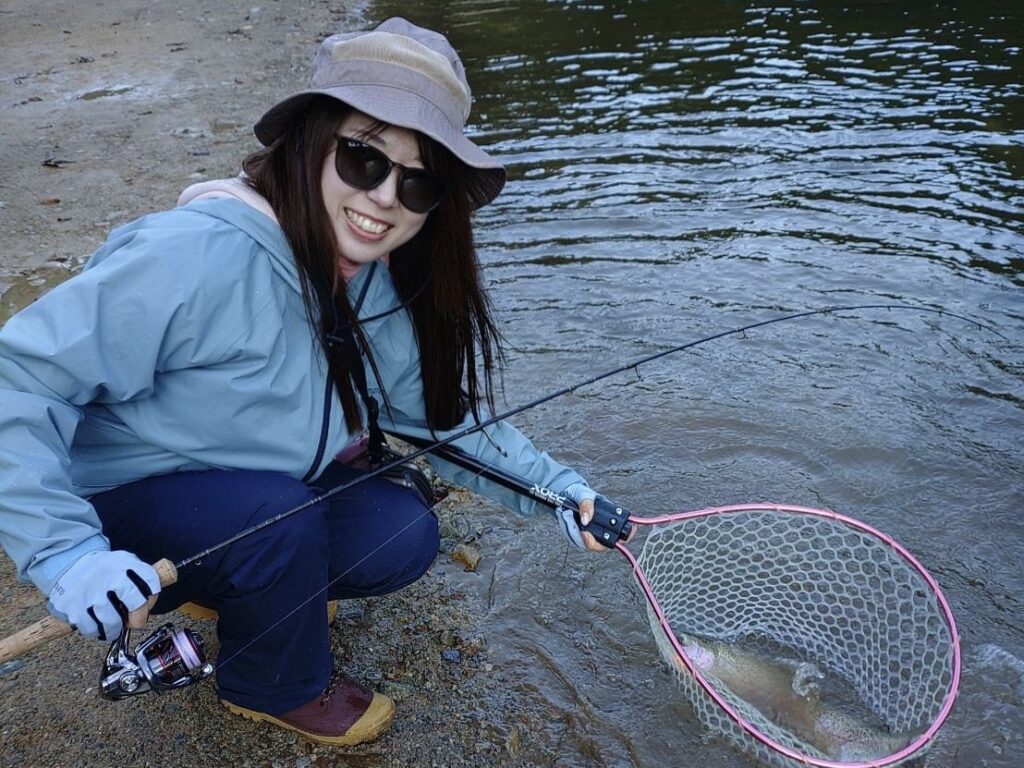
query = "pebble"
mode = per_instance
[
  {"x": 396, "y": 690},
  {"x": 452, "y": 655},
  {"x": 190, "y": 132},
  {"x": 514, "y": 742},
  {"x": 221, "y": 125},
  {"x": 468, "y": 555},
  {"x": 350, "y": 612},
  {"x": 11, "y": 666}
]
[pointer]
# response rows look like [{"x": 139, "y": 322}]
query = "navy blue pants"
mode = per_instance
[{"x": 271, "y": 589}]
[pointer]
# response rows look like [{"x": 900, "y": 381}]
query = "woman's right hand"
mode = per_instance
[{"x": 101, "y": 590}]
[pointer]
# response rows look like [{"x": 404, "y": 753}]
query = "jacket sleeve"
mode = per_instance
[
  {"x": 100, "y": 337},
  {"x": 500, "y": 445}
]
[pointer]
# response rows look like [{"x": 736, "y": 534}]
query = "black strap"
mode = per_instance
[{"x": 346, "y": 340}]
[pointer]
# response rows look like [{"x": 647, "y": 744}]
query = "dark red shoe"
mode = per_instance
[{"x": 343, "y": 715}]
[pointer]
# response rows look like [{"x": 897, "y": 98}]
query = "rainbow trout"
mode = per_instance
[{"x": 787, "y": 693}]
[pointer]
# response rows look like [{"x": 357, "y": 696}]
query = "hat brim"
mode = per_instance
[{"x": 404, "y": 108}]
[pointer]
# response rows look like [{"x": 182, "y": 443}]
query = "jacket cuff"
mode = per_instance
[{"x": 46, "y": 572}]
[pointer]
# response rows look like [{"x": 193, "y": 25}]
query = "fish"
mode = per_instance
[{"x": 788, "y": 693}]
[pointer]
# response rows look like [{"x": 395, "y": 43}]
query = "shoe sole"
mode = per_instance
[
  {"x": 202, "y": 613},
  {"x": 381, "y": 712}
]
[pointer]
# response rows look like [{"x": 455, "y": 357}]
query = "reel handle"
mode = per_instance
[{"x": 45, "y": 630}]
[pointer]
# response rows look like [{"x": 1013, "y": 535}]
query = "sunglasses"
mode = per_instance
[{"x": 364, "y": 167}]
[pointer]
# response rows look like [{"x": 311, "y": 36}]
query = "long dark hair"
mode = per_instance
[{"x": 436, "y": 273}]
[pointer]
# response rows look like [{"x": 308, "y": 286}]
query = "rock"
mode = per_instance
[
  {"x": 452, "y": 656},
  {"x": 350, "y": 612},
  {"x": 449, "y": 638},
  {"x": 397, "y": 690},
  {"x": 454, "y": 527},
  {"x": 10, "y": 666},
  {"x": 514, "y": 742},
  {"x": 468, "y": 555},
  {"x": 221, "y": 125},
  {"x": 474, "y": 646},
  {"x": 190, "y": 132}
]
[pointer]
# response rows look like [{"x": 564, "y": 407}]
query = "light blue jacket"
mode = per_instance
[{"x": 184, "y": 344}]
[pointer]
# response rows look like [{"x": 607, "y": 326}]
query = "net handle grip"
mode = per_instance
[
  {"x": 609, "y": 525},
  {"x": 50, "y": 628}
]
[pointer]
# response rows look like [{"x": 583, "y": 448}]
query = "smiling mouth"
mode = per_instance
[{"x": 366, "y": 224}]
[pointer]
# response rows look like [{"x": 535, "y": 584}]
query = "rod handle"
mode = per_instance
[{"x": 50, "y": 628}]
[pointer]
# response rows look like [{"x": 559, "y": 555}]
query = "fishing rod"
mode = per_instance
[
  {"x": 145, "y": 669},
  {"x": 609, "y": 524}
]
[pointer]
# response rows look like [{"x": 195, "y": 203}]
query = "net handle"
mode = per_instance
[{"x": 916, "y": 744}]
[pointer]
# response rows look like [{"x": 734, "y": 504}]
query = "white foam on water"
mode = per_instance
[{"x": 996, "y": 658}]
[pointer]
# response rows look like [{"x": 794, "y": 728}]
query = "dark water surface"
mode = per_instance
[{"x": 678, "y": 169}]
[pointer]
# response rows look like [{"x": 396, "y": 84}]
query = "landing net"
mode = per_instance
[{"x": 766, "y": 589}]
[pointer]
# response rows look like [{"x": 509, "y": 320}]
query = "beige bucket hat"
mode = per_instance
[{"x": 404, "y": 75}]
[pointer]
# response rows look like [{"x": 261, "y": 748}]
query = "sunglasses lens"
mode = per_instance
[
  {"x": 360, "y": 166},
  {"x": 420, "y": 191},
  {"x": 365, "y": 167}
]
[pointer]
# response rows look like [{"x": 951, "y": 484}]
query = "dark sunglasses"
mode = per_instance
[{"x": 364, "y": 167}]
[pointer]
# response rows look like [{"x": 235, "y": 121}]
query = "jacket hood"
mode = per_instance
[
  {"x": 236, "y": 189},
  {"x": 237, "y": 204},
  {"x": 231, "y": 188}
]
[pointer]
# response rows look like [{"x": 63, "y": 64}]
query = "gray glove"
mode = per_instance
[
  {"x": 96, "y": 593},
  {"x": 566, "y": 520}
]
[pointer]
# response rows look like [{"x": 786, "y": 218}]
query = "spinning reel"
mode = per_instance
[{"x": 167, "y": 660}]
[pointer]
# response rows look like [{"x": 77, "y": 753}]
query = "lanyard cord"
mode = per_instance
[{"x": 345, "y": 339}]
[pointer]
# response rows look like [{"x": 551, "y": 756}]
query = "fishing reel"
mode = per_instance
[{"x": 167, "y": 660}]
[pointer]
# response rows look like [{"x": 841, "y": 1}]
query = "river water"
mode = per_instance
[{"x": 679, "y": 169}]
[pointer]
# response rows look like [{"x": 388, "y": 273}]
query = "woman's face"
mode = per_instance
[{"x": 370, "y": 223}]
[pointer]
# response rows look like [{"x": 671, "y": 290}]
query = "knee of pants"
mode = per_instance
[
  {"x": 402, "y": 558},
  {"x": 410, "y": 553},
  {"x": 295, "y": 547},
  {"x": 420, "y": 543}
]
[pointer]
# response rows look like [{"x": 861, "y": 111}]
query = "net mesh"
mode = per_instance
[{"x": 838, "y": 597}]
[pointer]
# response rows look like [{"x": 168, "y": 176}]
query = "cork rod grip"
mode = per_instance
[{"x": 45, "y": 630}]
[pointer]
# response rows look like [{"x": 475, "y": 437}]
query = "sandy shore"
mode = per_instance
[{"x": 108, "y": 110}]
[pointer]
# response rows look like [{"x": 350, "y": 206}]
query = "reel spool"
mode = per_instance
[{"x": 167, "y": 660}]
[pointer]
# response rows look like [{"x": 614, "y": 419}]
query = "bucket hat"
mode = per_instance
[{"x": 403, "y": 75}]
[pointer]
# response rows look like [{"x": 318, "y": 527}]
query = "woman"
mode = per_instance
[{"x": 213, "y": 365}]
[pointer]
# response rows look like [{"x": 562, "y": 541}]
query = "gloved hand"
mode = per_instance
[
  {"x": 96, "y": 593},
  {"x": 580, "y": 493},
  {"x": 584, "y": 497}
]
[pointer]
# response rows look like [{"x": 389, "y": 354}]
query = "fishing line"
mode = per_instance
[{"x": 724, "y": 533}]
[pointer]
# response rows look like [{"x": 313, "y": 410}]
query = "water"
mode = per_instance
[{"x": 680, "y": 169}]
